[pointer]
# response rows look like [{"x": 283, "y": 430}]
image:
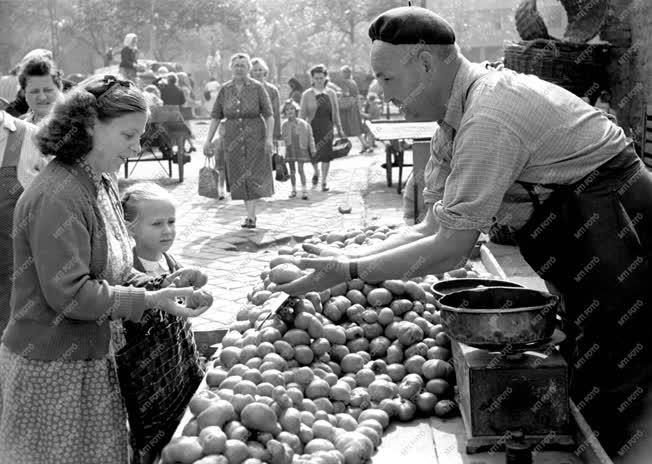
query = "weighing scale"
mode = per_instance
[{"x": 504, "y": 388}]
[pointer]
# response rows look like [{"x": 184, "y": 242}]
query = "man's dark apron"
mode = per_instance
[
  {"x": 593, "y": 242},
  {"x": 10, "y": 191}
]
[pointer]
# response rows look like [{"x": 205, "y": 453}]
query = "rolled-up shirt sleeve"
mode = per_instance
[
  {"x": 436, "y": 173},
  {"x": 487, "y": 159},
  {"x": 438, "y": 166}
]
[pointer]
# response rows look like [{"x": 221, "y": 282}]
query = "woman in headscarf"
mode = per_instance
[{"x": 128, "y": 57}]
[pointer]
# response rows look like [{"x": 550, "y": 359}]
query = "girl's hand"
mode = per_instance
[
  {"x": 165, "y": 300},
  {"x": 188, "y": 276},
  {"x": 269, "y": 147}
]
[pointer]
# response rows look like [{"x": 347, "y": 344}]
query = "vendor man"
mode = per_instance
[{"x": 539, "y": 159}]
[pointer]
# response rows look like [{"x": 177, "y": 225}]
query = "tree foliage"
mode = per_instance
[{"x": 291, "y": 35}]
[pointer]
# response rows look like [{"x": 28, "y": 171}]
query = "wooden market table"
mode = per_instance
[
  {"x": 393, "y": 132},
  {"x": 443, "y": 441}
]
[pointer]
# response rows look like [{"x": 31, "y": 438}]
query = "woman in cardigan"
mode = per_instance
[
  {"x": 319, "y": 108},
  {"x": 248, "y": 123},
  {"x": 128, "y": 57},
  {"x": 60, "y": 396}
]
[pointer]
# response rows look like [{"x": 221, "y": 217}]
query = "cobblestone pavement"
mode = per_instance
[{"x": 209, "y": 234}]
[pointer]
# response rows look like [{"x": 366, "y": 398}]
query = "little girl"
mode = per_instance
[
  {"x": 150, "y": 216},
  {"x": 299, "y": 145}
]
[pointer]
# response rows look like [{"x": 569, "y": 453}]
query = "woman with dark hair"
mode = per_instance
[
  {"x": 41, "y": 82},
  {"x": 61, "y": 400},
  {"x": 18, "y": 106},
  {"x": 296, "y": 89},
  {"x": 319, "y": 107}
]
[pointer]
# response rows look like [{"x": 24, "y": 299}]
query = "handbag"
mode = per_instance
[
  {"x": 159, "y": 372},
  {"x": 281, "y": 168},
  {"x": 207, "y": 185},
  {"x": 341, "y": 148}
]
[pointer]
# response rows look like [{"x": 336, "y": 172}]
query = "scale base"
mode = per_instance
[
  {"x": 496, "y": 444},
  {"x": 499, "y": 393}
]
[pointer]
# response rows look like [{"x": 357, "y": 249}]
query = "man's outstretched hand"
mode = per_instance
[{"x": 327, "y": 272}]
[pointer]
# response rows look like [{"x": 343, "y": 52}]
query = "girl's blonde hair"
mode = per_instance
[{"x": 136, "y": 195}]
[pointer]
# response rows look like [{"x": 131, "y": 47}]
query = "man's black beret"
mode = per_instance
[{"x": 411, "y": 25}]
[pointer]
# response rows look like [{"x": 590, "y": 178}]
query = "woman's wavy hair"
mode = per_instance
[
  {"x": 67, "y": 132},
  {"x": 39, "y": 66}
]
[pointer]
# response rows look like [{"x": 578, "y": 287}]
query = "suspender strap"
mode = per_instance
[
  {"x": 14, "y": 145},
  {"x": 530, "y": 189}
]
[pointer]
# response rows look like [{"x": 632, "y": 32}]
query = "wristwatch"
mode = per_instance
[{"x": 353, "y": 269}]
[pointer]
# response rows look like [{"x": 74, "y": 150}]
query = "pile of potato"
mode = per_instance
[{"x": 320, "y": 382}]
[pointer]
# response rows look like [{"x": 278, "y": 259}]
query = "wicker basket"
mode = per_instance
[
  {"x": 573, "y": 66},
  {"x": 585, "y": 18},
  {"x": 529, "y": 22}
]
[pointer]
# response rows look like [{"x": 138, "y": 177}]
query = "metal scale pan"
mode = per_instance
[{"x": 510, "y": 375}]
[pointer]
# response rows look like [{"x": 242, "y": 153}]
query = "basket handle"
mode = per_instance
[{"x": 536, "y": 42}]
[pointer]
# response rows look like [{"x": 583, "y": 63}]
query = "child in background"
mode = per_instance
[
  {"x": 299, "y": 145},
  {"x": 150, "y": 216},
  {"x": 371, "y": 112}
]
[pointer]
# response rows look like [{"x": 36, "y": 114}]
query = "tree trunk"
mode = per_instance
[
  {"x": 5, "y": 37},
  {"x": 352, "y": 38}
]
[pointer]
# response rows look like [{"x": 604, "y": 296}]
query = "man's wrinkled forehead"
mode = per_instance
[{"x": 388, "y": 59}]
